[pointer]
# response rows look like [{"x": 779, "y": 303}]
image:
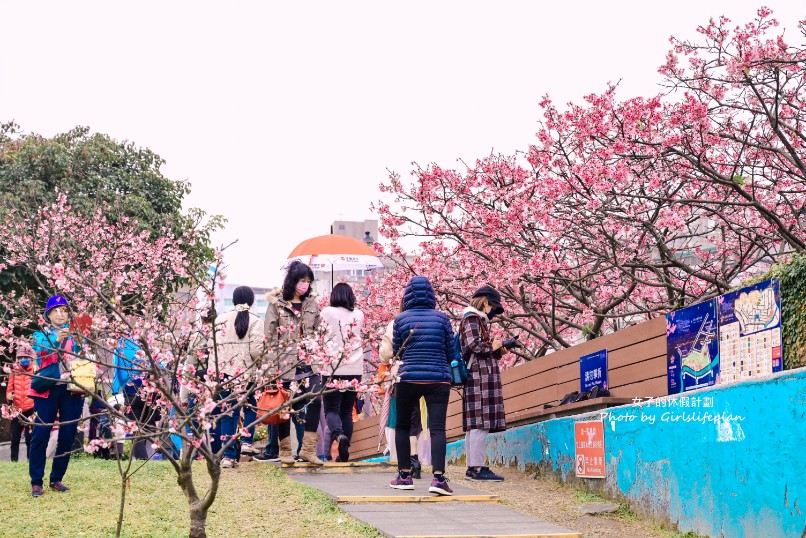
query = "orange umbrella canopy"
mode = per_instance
[
  {"x": 335, "y": 253},
  {"x": 331, "y": 244}
]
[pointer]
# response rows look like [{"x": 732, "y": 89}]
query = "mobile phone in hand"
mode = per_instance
[{"x": 509, "y": 343}]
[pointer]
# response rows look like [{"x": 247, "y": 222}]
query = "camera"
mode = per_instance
[{"x": 510, "y": 343}]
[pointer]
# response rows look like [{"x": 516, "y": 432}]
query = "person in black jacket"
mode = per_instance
[{"x": 423, "y": 339}]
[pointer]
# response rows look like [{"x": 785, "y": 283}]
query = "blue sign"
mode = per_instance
[
  {"x": 692, "y": 347},
  {"x": 593, "y": 370}
]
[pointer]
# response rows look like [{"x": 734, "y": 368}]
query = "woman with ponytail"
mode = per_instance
[{"x": 239, "y": 345}]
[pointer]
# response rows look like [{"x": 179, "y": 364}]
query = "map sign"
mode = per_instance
[
  {"x": 750, "y": 331},
  {"x": 730, "y": 338},
  {"x": 692, "y": 347}
]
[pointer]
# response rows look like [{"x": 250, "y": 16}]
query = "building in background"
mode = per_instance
[
  {"x": 224, "y": 304},
  {"x": 366, "y": 231}
]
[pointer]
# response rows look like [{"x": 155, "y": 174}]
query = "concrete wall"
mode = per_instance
[{"x": 732, "y": 462}]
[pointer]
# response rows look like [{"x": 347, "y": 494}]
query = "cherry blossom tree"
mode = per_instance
[
  {"x": 122, "y": 279},
  {"x": 621, "y": 210}
]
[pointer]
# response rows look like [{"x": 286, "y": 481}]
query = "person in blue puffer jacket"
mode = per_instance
[
  {"x": 129, "y": 372},
  {"x": 423, "y": 340}
]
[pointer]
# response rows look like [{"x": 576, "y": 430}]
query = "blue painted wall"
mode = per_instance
[{"x": 732, "y": 462}]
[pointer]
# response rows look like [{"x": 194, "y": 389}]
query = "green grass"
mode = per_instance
[
  {"x": 624, "y": 511},
  {"x": 673, "y": 533},
  {"x": 255, "y": 499},
  {"x": 587, "y": 497}
]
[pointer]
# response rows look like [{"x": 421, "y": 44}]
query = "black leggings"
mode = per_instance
[
  {"x": 339, "y": 409},
  {"x": 19, "y": 431},
  {"x": 436, "y": 400},
  {"x": 314, "y": 406}
]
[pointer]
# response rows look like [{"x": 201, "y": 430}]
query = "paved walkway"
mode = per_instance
[
  {"x": 362, "y": 490},
  {"x": 5, "y": 451}
]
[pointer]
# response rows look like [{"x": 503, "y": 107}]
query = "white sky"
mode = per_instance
[{"x": 285, "y": 115}]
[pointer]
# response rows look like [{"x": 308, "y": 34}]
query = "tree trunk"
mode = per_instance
[
  {"x": 198, "y": 521},
  {"x": 124, "y": 480},
  {"x": 198, "y": 505}
]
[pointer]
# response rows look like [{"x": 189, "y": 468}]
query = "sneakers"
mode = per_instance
[
  {"x": 440, "y": 486},
  {"x": 402, "y": 483},
  {"x": 483, "y": 474},
  {"x": 228, "y": 463},
  {"x": 264, "y": 458},
  {"x": 344, "y": 444},
  {"x": 58, "y": 486},
  {"x": 37, "y": 491},
  {"x": 248, "y": 449}
]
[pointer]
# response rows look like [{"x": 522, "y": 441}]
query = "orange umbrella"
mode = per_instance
[{"x": 335, "y": 253}]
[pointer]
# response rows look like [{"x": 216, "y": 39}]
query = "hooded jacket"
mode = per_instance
[
  {"x": 284, "y": 329},
  {"x": 19, "y": 381},
  {"x": 423, "y": 336},
  {"x": 128, "y": 367}
]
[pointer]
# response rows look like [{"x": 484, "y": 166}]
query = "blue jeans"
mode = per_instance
[
  {"x": 249, "y": 416},
  {"x": 272, "y": 449},
  {"x": 68, "y": 407},
  {"x": 227, "y": 427}
]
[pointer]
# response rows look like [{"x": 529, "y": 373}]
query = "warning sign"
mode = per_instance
[{"x": 589, "y": 449}]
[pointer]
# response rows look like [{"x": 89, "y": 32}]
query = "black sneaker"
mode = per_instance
[
  {"x": 416, "y": 468},
  {"x": 483, "y": 474},
  {"x": 263, "y": 458},
  {"x": 344, "y": 444}
]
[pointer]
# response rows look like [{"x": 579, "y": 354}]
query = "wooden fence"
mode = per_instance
[{"x": 636, "y": 369}]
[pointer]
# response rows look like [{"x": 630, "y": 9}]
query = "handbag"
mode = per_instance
[
  {"x": 83, "y": 373},
  {"x": 384, "y": 373},
  {"x": 269, "y": 402},
  {"x": 47, "y": 375}
]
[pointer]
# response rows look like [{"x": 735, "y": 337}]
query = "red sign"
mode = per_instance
[{"x": 589, "y": 449}]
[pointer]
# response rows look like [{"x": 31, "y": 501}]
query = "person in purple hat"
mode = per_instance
[{"x": 55, "y": 347}]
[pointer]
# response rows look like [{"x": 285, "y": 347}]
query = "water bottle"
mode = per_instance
[{"x": 456, "y": 374}]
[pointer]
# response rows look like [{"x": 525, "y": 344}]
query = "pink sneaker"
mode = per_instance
[
  {"x": 440, "y": 486},
  {"x": 402, "y": 483}
]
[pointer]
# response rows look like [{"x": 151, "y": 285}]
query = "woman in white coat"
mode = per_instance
[{"x": 346, "y": 355}]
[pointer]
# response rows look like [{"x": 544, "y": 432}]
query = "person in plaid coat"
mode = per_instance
[{"x": 483, "y": 410}]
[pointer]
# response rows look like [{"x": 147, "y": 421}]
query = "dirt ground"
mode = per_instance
[{"x": 547, "y": 499}]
